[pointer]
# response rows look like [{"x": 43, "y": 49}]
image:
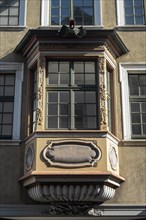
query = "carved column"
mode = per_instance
[
  {"x": 103, "y": 117},
  {"x": 40, "y": 92}
]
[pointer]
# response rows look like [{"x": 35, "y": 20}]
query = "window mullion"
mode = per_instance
[{"x": 71, "y": 9}]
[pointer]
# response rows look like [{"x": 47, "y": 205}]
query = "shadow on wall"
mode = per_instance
[{"x": 12, "y": 57}]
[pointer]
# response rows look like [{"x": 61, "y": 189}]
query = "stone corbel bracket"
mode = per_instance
[{"x": 71, "y": 154}]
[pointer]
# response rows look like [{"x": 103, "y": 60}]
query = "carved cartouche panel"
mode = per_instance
[{"x": 71, "y": 153}]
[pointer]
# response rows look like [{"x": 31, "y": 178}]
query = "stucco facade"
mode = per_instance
[{"x": 121, "y": 166}]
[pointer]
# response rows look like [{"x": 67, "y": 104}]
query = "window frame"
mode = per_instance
[
  {"x": 71, "y": 89},
  {"x": 17, "y": 69},
  {"x": 22, "y": 16},
  {"x": 125, "y": 70},
  {"x": 121, "y": 15},
  {"x": 45, "y": 14}
]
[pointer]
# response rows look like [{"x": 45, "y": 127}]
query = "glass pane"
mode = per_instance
[
  {"x": 78, "y": 20},
  {"x": 79, "y": 122},
  {"x": 91, "y": 109},
  {"x": 91, "y": 122},
  {"x": 139, "y": 20},
  {"x": 89, "y": 67},
  {"x": 135, "y": 107},
  {"x": 1, "y": 80},
  {"x": 90, "y": 97},
  {"x": 144, "y": 129},
  {"x": 79, "y": 79},
  {"x": 79, "y": 97},
  {"x": 142, "y": 80},
  {"x": 136, "y": 129},
  {"x": 143, "y": 118},
  {"x": 64, "y": 67},
  {"x": 65, "y": 3},
  {"x": 64, "y": 78},
  {"x": 55, "y": 12},
  {"x": 13, "y": 2},
  {"x": 88, "y": 2},
  {"x": 1, "y": 90},
  {"x": 64, "y": 21},
  {"x": 13, "y": 20},
  {"x": 138, "y": 2},
  {"x": 129, "y": 20},
  {"x": 135, "y": 118},
  {"x": 52, "y": 122},
  {"x": 79, "y": 109},
  {"x": 8, "y": 107},
  {"x": 14, "y": 11},
  {"x": 53, "y": 78},
  {"x": 63, "y": 122},
  {"x": 52, "y": 97},
  {"x": 133, "y": 82},
  {"x": 129, "y": 11},
  {"x": 63, "y": 109},
  {"x": 77, "y": 12},
  {"x": 55, "y": 3},
  {"x": 79, "y": 67},
  {"x": 65, "y": 12},
  {"x": 64, "y": 97},
  {"x": 4, "y": 21},
  {"x": 0, "y": 118},
  {"x": 143, "y": 107},
  {"x": 6, "y": 130},
  {"x": 138, "y": 11},
  {"x": 52, "y": 109},
  {"x": 53, "y": 67},
  {"x": 89, "y": 79},
  {"x": 1, "y": 104},
  {"x": 7, "y": 118},
  {"x": 9, "y": 91},
  {"x": 54, "y": 20},
  {"x": 3, "y": 11},
  {"x": 128, "y": 2},
  {"x": 77, "y": 2},
  {"x": 143, "y": 90},
  {"x": 9, "y": 80},
  {"x": 88, "y": 12},
  {"x": 88, "y": 20}
]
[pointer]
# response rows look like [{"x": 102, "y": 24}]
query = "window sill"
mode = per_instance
[
  {"x": 12, "y": 28},
  {"x": 72, "y": 134},
  {"x": 10, "y": 142},
  {"x": 131, "y": 28},
  {"x": 133, "y": 142},
  {"x": 93, "y": 27}
]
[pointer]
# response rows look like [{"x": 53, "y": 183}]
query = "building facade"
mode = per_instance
[{"x": 73, "y": 109}]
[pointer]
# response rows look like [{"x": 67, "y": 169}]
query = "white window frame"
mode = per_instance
[
  {"x": 121, "y": 16},
  {"x": 17, "y": 68},
  {"x": 125, "y": 69},
  {"x": 45, "y": 13}
]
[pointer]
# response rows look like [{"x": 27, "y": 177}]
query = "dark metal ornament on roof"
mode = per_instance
[{"x": 66, "y": 31}]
